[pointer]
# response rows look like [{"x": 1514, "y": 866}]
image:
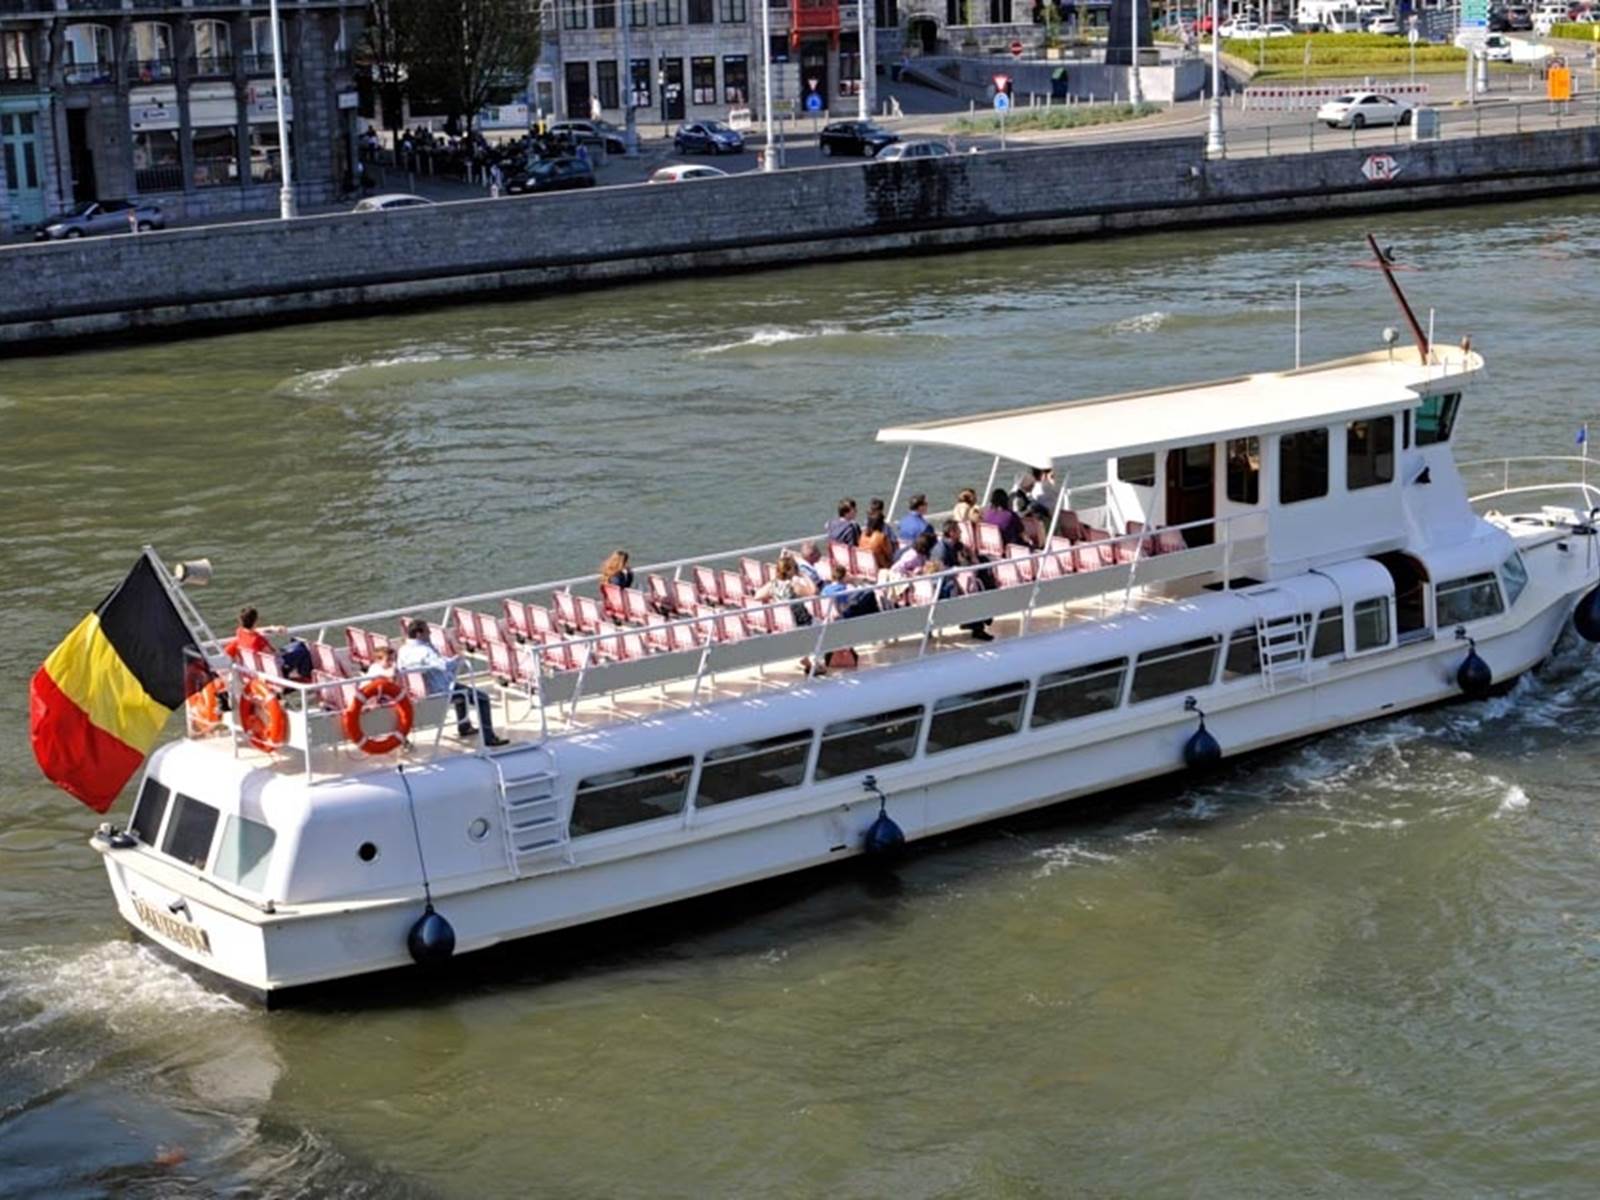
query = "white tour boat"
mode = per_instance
[{"x": 1266, "y": 557}]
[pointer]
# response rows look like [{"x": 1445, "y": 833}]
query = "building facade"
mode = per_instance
[{"x": 171, "y": 101}]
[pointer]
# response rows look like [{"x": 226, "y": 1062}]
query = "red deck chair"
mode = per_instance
[
  {"x": 1022, "y": 556},
  {"x": 517, "y": 619},
  {"x": 616, "y": 608},
  {"x": 656, "y": 635},
  {"x": 731, "y": 587},
  {"x": 566, "y": 610},
  {"x": 660, "y": 594},
  {"x": 990, "y": 543},
  {"x": 706, "y": 587},
  {"x": 360, "y": 643},
  {"x": 685, "y": 598},
  {"x": 754, "y": 576},
  {"x": 589, "y": 616},
  {"x": 637, "y": 606}
]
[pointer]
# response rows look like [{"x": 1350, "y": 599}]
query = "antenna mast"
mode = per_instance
[{"x": 1384, "y": 262}]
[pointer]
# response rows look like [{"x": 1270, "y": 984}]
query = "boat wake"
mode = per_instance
[
  {"x": 119, "y": 983},
  {"x": 1142, "y": 323},
  {"x": 313, "y": 382},
  {"x": 773, "y": 335}
]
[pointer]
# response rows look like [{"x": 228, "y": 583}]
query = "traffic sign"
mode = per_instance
[
  {"x": 1380, "y": 168},
  {"x": 1475, "y": 14},
  {"x": 1412, "y": 36},
  {"x": 1016, "y": 49},
  {"x": 813, "y": 103},
  {"x": 811, "y": 84},
  {"x": 1001, "y": 102}
]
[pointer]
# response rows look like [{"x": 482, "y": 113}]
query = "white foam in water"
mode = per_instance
[
  {"x": 320, "y": 381},
  {"x": 770, "y": 335},
  {"x": 1143, "y": 323},
  {"x": 1070, "y": 854},
  {"x": 1514, "y": 800},
  {"x": 118, "y": 982}
]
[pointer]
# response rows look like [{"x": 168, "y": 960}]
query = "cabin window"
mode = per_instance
[
  {"x": 1244, "y": 655},
  {"x": 1513, "y": 577},
  {"x": 753, "y": 768},
  {"x": 1138, "y": 469},
  {"x": 1080, "y": 692},
  {"x": 1178, "y": 668},
  {"x": 1371, "y": 621},
  {"x": 245, "y": 852},
  {"x": 1329, "y": 637},
  {"x": 1302, "y": 465},
  {"x": 1405, "y": 429},
  {"x": 867, "y": 742},
  {"x": 147, "y": 814},
  {"x": 1436, "y": 418},
  {"x": 1244, "y": 470},
  {"x": 1369, "y": 453},
  {"x": 976, "y": 717},
  {"x": 1457, "y": 601},
  {"x": 188, "y": 837},
  {"x": 628, "y": 797}
]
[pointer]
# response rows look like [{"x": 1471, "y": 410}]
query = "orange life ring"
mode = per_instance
[
  {"x": 205, "y": 706},
  {"x": 381, "y": 692},
  {"x": 262, "y": 717}
]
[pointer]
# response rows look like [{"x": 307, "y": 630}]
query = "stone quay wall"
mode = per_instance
[{"x": 347, "y": 264}]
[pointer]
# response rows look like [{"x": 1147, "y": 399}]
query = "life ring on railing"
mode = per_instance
[
  {"x": 205, "y": 706},
  {"x": 381, "y": 692},
  {"x": 262, "y": 717}
]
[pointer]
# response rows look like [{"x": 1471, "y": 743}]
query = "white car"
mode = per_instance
[
  {"x": 1385, "y": 24},
  {"x": 388, "y": 201},
  {"x": 1357, "y": 110},
  {"x": 900, "y": 150},
  {"x": 1274, "y": 30},
  {"x": 1239, "y": 29},
  {"x": 682, "y": 174}
]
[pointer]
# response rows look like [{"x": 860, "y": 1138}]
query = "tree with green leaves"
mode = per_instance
[{"x": 472, "y": 52}]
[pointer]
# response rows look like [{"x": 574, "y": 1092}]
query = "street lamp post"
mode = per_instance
[
  {"x": 286, "y": 191},
  {"x": 630, "y": 121},
  {"x": 767, "y": 163},
  {"x": 1135, "y": 85},
  {"x": 1216, "y": 147},
  {"x": 861, "y": 59}
]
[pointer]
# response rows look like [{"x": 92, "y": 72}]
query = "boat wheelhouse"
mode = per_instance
[{"x": 1264, "y": 557}]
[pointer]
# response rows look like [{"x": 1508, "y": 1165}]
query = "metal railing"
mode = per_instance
[
  {"x": 1513, "y": 473},
  {"x": 210, "y": 65},
  {"x": 148, "y": 70},
  {"x": 166, "y": 177}
]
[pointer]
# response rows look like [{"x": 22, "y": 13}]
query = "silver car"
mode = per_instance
[
  {"x": 95, "y": 217},
  {"x": 900, "y": 150}
]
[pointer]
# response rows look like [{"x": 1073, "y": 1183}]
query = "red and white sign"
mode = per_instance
[
  {"x": 1380, "y": 168},
  {"x": 1016, "y": 49},
  {"x": 1001, "y": 82}
]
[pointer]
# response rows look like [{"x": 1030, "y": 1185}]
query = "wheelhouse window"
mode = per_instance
[
  {"x": 146, "y": 821},
  {"x": 1436, "y": 418},
  {"x": 1369, "y": 453},
  {"x": 1473, "y": 598},
  {"x": 1138, "y": 469},
  {"x": 1329, "y": 637},
  {"x": 1244, "y": 654},
  {"x": 1370, "y": 619},
  {"x": 976, "y": 717},
  {"x": 1244, "y": 470},
  {"x": 1181, "y": 667},
  {"x": 621, "y": 798},
  {"x": 1080, "y": 692},
  {"x": 189, "y": 831},
  {"x": 1302, "y": 465},
  {"x": 753, "y": 768},
  {"x": 1513, "y": 577},
  {"x": 245, "y": 852},
  {"x": 868, "y": 742}
]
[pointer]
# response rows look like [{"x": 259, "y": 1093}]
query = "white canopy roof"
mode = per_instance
[{"x": 1207, "y": 412}]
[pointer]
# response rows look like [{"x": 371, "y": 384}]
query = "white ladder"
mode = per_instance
[
  {"x": 1284, "y": 647},
  {"x": 530, "y": 812}
]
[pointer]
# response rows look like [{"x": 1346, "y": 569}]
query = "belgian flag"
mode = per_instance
[{"x": 100, "y": 700}]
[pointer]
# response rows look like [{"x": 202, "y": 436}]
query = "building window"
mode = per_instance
[
  {"x": 213, "y": 49},
  {"x": 88, "y": 54},
  {"x": 245, "y": 852},
  {"x": 266, "y": 157},
  {"x": 701, "y": 12},
  {"x": 1080, "y": 692},
  {"x": 735, "y": 12},
  {"x": 1244, "y": 470},
  {"x": 1436, "y": 418},
  {"x": 868, "y": 742},
  {"x": 849, "y": 64},
  {"x": 999, "y": 12},
  {"x": 778, "y": 47},
  {"x": 753, "y": 769},
  {"x": 1244, "y": 654},
  {"x": 886, "y": 14},
  {"x": 1177, "y": 668},
  {"x": 1457, "y": 601},
  {"x": 976, "y": 717},
  {"x": 703, "y": 80},
  {"x": 1514, "y": 577},
  {"x": 188, "y": 836},
  {"x": 1369, "y": 453},
  {"x": 216, "y": 155},
  {"x": 574, "y": 14},
  {"x": 146, "y": 821},
  {"x": 1302, "y": 465},
  {"x": 641, "y": 82},
  {"x": 605, "y": 82},
  {"x": 1329, "y": 637},
  {"x": 258, "y": 55},
  {"x": 150, "y": 50},
  {"x": 1137, "y": 469},
  {"x": 669, "y": 12},
  {"x": 1370, "y": 619},
  {"x": 605, "y": 15},
  {"x": 17, "y": 146},
  {"x": 157, "y": 166},
  {"x": 629, "y": 797},
  {"x": 736, "y": 80},
  {"x": 16, "y": 58},
  {"x": 639, "y": 17},
  {"x": 577, "y": 91}
]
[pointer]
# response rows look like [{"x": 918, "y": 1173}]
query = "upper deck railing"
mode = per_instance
[{"x": 1528, "y": 475}]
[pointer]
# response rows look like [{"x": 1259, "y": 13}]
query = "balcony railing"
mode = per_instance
[
  {"x": 165, "y": 178},
  {"x": 210, "y": 65},
  {"x": 90, "y": 72},
  {"x": 261, "y": 64},
  {"x": 16, "y": 74},
  {"x": 149, "y": 70}
]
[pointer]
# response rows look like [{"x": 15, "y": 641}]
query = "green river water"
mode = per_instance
[{"x": 1364, "y": 965}]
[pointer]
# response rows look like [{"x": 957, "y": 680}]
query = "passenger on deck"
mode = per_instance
[
  {"x": 439, "y": 678},
  {"x": 999, "y": 515},
  {"x": 877, "y": 508},
  {"x": 294, "y": 659},
  {"x": 1047, "y": 491},
  {"x": 916, "y": 519},
  {"x": 787, "y": 583},
  {"x": 843, "y": 528},
  {"x": 947, "y": 554},
  {"x": 875, "y": 540},
  {"x": 810, "y": 564},
  {"x": 1022, "y": 490},
  {"x": 914, "y": 557},
  {"x": 966, "y": 508},
  {"x": 848, "y": 600},
  {"x": 1034, "y": 523},
  {"x": 615, "y": 570},
  {"x": 383, "y": 664}
]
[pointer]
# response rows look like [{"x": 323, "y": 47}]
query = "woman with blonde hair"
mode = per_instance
[
  {"x": 966, "y": 508},
  {"x": 616, "y": 570}
]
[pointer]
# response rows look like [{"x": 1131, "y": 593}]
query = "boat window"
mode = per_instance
[
  {"x": 1371, "y": 621},
  {"x": 1513, "y": 577},
  {"x": 1302, "y": 465},
  {"x": 1405, "y": 426},
  {"x": 1244, "y": 654},
  {"x": 245, "y": 852},
  {"x": 1080, "y": 692},
  {"x": 1436, "y": 417},
  {"x": 1471, "y": 599},
  {"x": 1138, "y": 469},
  {"x": 1329, "y": 638},
  {"x": 1369, "y": 453},
  {"x": 147, "y": 814},
  {"x": 867, "y": 742},
  {"x": 628, "y": 797},
  {"x": 753, "y": 768},
  {"x": 976, "y": 716},
  {"x": 1244, "y": 470},
  {"x": 1178, "y": 668},
  {"x": 188, "y": 837}
]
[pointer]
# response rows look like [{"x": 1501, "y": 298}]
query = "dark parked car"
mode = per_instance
[
  {"x": 1498, "y": 23},
  {"x": 708, "y": 137},
  {"x": 861, "y": 138},
  {"x": 594, "y": 133},
  {"x": 1519, "y": 19},
  {"x": 101, "y": 216},
  {"x": 553, "y": 175}
]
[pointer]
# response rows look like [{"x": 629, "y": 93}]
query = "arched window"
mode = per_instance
[
  {"x": 88, "y": 54},
  {"x": 150, "y": 50},
  {"x": 213, "y": 48}
]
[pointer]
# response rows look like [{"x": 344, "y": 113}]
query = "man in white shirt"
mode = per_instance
[{"x": 439, "y": 678}]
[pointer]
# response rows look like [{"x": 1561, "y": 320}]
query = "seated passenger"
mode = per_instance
[
  {"x": 914, "y": 557},
  {"x": 948, "y": 552},
  {"x": 1034, "y": 522},
  {"x": 847, "y": 599},
  {"x": 843, "y": 528},
  {"x": 966, "y": 508},
  {"x": 876, "y": 508},
  {"x": 1000, "y": 515},
  {"x": 295, "y": 658},
  {"x": 916, "y": 519},
  {"x": 1047, "y": 491},
  {"x": 383, "y": 664},
  {"x": 615, "y": 570},
  {"x": 439, "y": 678},
  {"x": 875, "y": 540},
  {"x": 810, "y": 564}
]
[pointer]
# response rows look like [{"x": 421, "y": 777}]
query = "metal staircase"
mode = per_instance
[
  {"x": 1284, "y": 647},
  {"x": 530, "y": 810}
]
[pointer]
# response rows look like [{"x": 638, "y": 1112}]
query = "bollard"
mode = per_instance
[
  {"x": 1268, "y": 151},
  {"x": 1311, "y": 138}
]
